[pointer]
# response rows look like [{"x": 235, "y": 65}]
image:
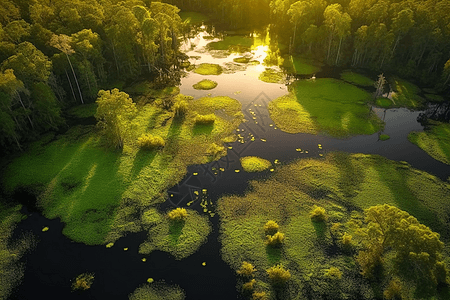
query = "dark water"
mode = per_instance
[{"x": 56, "y": 260}]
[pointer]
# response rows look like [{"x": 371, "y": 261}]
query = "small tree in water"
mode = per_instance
[{"x": 379, "y": 85}]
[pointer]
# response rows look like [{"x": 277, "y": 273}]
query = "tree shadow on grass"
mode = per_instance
[
  {"x": 273, "y": 254},
  {"x": 175, "y": 230},
  {"x": 351, "y": 177},
  {"x": 202, "y": 129},
  {"x": 320, "y": 228},
  {"x": 143, "y": 158},
  {"x": 173, "y": 135}
]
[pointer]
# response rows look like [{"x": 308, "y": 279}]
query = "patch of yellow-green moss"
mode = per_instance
[
  {"x": 406, "y": 94},
  {"x": 157, "y": 291},
  {"x": 205, "y": 84},
  {"x": 254, "y": 164},
  {"x": 208, "y": 69},
  {"x": 435, "y": 141},
  {"x": 271, "y": 76}
]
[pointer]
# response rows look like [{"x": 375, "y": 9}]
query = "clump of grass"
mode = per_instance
[
  {"x": 384, "y": 137},
  {"x": 178, "y": 214},
  {"x": 278, "y": 275},
  {"x": 271, "y": 227},
  {"x": 254, "y": 164},
  {"x": 356, "y": 78},
  {"x": 249, "y": 286},
  {"x": 149, "y": 142},
  {"x": 271, "y": 76},
  {"x": 318, "y": 214},
  {"x": 83, "y": 281},
  {"x": 205, "y": 84},
  {"x": 247, "y": 269},
  {"x": 383, "y": 102},
  {"x": 435, "y": 141},
  {"x": 158, "y": 290},
  {"x": 275, "y": 240},
  {"x": 180, "y": 108},
  {"x": 208, "y": 69},
  {"x": 208, "y": 119},
  {"x": 347, "y": 241}
]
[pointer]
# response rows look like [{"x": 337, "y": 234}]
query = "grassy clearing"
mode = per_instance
[
  {"x": 343, "y": 184},
  {"x": 208, "y": 69},
  {"x": 435, "y": 141},
  {"x": 194, "y": 17},
  {"x": 157, "y": 291},
  {"x": 254, "y": 164},
  {"x": 205, "y": 84},
  {"x": 327, "y": 106},
  {"x": 356, "y": 78},
  {"x": 99, "y": 193},
  {"x": 83, "y": 111},
  {"x": 232, "y": 43},
  {"x": 180, "y": 239},
  {"x": 271, "y": 76},
  {"x": 383, "y": 102},
  {"x": 405, "y": 94},
  {"x": 301, "y": 65}
]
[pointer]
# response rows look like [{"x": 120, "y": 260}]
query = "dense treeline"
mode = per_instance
[
  {"x": 54, "y": 53},
  {"x": 409, "y": 37}
]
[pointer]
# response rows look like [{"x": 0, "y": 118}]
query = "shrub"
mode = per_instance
[
  {"x": 346, "y": 240},
  {"x": 394, "y": 290},
  {"x": 318, "y": 214},
  {"x": 333, "y": 273},
  {"x": 83, "y": 281},
  {"x": 180, "y": 108},
  {"x": 150, "y": 142},
  {"x": 248, "y": 286},
  {"x": 216, "y": 150},
  {"x": 205, "y": 119},
  {"x": 278, "y": 275},
  {"x": 271, "y": 227},
  {"x": 260, "y": 296},
  {"x": 247, "y": 269},
  {"x": 275, "y": 240},
  {"x": 178, "y": 214}
]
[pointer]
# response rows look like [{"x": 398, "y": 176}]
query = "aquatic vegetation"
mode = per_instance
[
  {"x": 208, "y": 69},
  {"x": 435, "y": 141},
  {"x": 178, "y": 214},
  {"x": 271, "y": 76},
  {"x": 149, "y": 142},
  {"x": 343, "y": 184},
  {"x": 83, "y": 281},
  {"x": 384, "y": 137},
  {"x": 405, "y": 94},
  {"x": 356, "y": 78},
  {"x": 205, "y": 84},
  {"x": 383, "y": 102},
  {"x": 318, "y": 214},
  {"x": 327, "y": 106},
  {"x": 254, "y": 164},
  {"x": 157, "y": 291}
]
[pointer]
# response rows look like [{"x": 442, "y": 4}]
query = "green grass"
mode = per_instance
[
  {"x": 232, "y": 43},
  {"x": 83, "y": 111},
  {"x": 180, "y": 239},
  {"x": 383, "y": 102},
  {"x": 194, "y": 17},
  {"x": 343, "y": 184},
  {"x": 157, "y": 291},
  {"x": 384, "y": 137},
  {"x": 98, "y": 192},
  {"x": 327, "y": 106},
  {"x": 435, "y": 141},
  {"x": 254, "y": 164},
  {"x": 205, "y": 84},
  {"x": 302, "y": 65},
  {"x": 356, "y": 78},
  {"x": 434, "y": 98},
  {"x": 208, "y": 69},
  {"x": 271, "y": 76},
  {"x": 405, "y": 94}
]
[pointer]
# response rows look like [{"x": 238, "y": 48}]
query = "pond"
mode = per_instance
[{"x": 56, "y": 260}]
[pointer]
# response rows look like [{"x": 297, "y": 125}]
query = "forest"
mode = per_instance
[{"x": 126, "y": 133}]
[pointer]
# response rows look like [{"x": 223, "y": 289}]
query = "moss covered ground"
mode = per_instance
[
  {"x": 406, "y": 94},
  {"x": 356, "y": 78},
  {"x": 383, "y": 102},
  {"x": 327, "y": 106},
  {"x": 301, "y": 65},
  {"x": 205, "y": 84},
  {"x": 271, "y": 76},
  {"x": 157, "y": 291},
  {"x": 208, "y": 69},
  {"x": 344, "y": 184},
  {"x": 435, "y": 141},
  {"x": 98, "y": 192},
  {"x": 254, "y": 164}
]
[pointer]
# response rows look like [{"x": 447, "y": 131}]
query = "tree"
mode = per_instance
[
  {"x": 115, "y": 110},
  {"x": 379, "y": 85},
  {"x": 417, "y": 249},
  {"x": 402, "y": 24},
  {"x": 446, "y": 72}
]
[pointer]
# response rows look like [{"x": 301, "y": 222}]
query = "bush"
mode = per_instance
[
  {"x": 333, "y": 273},
  {"x": 150, "y": 142},
  {"x": 346, "y": 240},
  {"x": 83, "y": 281},
  {"x": 205, "y": 119},
  {"x": 259, "y": 296},
  {"x": 271, "y": 227},
  {"x": 318, "y": 214},
  {"x": 394, "y": 290},
  {"x": 216, "y": 150},
  {"x": 275, "y": 240},
  {"x": 248, "y": 286},
  {"x": 180, "y": 108},
  {"x": 178, "y": 214},
  {"x": 247, "y": 269},
  {"x": 278, "y": 275}
]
